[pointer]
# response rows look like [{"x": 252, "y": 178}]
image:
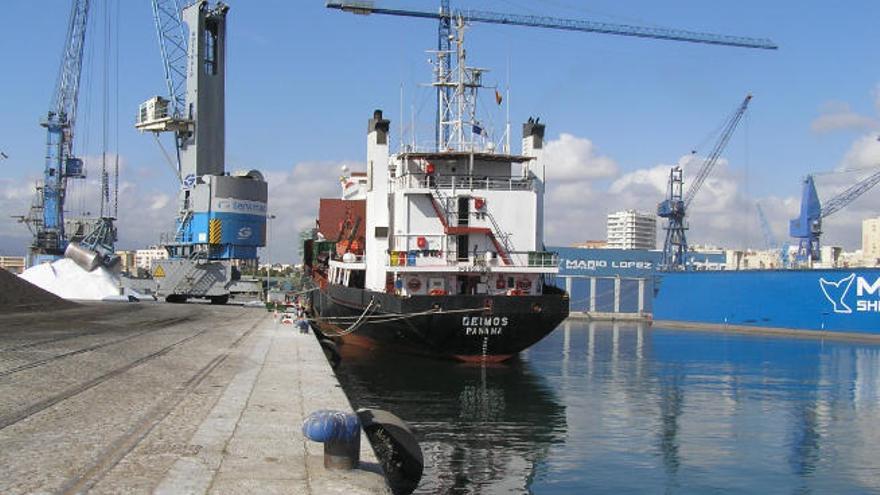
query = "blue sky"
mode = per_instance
[{"x": 303, "y": 80}]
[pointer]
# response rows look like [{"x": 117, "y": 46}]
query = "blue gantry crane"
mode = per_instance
[
  {"x": 807, "y": 227},
  {"x": 445, "y": 15},
  {"x": 674, "y": 208},
  {"x": 46, "y": 216}
]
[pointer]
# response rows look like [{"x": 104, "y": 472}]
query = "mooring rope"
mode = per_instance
[{"x": 353, "y": 327}]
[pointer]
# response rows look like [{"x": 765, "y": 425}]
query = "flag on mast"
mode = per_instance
[{"x": 498, "y": 97}]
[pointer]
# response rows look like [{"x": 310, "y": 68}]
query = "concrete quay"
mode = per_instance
[{"x": 159, "y": 398}]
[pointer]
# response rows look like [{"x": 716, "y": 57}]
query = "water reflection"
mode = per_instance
[
  {"x": 671, "y": 401},
  {"x": 481, "y": 428},
  {"x": 627, "y": 408}
]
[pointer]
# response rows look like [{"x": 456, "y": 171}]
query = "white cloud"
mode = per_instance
[
  {"x": 646, "y": 181},
  {"x": 839, "y": 116},
  {"x": 159, "y": 202},
  {"x": 293, "y": 199},
  {"x": 722, "y": 213},
  {"x": 571, "y": 157},
  {"x": 11, "y": 190},
  {"x": 863, "y": 153}
]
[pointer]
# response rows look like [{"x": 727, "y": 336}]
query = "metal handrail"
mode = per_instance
[
  {"x": 438, "y": 181},
  {"x": 503, "y": 236},
  {"x": 519, "y": 259},
  {"x": 359, "y": 258}
]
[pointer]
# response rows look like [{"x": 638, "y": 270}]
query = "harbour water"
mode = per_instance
[{"x": 620, "y": 408}]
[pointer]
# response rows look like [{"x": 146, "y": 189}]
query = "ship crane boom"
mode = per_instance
[
  {"x": 852, "y": 193},
  {"x": 712, "y": 159},
  {"x": 675, "y": 207},
  {"x": 807, "y": 227}
]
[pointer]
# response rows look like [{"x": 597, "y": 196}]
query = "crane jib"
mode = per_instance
[{"x": 366, "y": 8}]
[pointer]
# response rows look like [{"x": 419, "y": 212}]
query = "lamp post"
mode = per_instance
[{"x": 269, "y": 219}]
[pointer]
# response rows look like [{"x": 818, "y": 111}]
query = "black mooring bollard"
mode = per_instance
[
  {"x": 340, "y": 432},
  {"x": 342, "y": 453}
]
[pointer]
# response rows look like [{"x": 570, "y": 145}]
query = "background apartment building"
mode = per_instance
[
  {"x": 14, "y": 264},
  {"x": 871, "y": 241},
  {"x": 631, "y": 229},
  {"x": 144, "y": 258}
]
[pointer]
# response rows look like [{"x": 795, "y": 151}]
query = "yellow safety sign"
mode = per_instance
[{"x": 159, "y": 273}]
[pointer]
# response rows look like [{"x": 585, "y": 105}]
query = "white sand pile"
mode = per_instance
[{"x": 66, "y": 279}]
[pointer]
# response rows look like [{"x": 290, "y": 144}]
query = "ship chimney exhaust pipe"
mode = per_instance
[{"x": 380, "y": 126}]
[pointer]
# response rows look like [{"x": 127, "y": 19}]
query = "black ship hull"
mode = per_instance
[{"x": 474, "y": 328}]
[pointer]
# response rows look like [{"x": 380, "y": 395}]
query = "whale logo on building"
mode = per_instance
[{"x": 836, "y": 292}]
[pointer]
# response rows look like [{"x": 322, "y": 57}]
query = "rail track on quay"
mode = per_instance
[{"x": 145, "y": 360}]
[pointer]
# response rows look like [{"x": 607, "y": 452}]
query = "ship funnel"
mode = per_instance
[
  {"x": 533, "y": 142},
  {"x": 380, "y": 126},
  {"x": 533, "y": 131}
]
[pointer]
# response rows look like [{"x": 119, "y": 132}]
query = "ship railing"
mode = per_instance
[
  {"x": 418, "y": 242},
  {"x": 349, "y": 258},
  {"x": 468, "y": 182},
  {"x": 477, "y": 146},
  {"x": 475, "y": 259}
]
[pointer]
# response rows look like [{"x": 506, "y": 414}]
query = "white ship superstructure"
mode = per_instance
[
  {"x": 440, "y": 251},
  {"x": 462, "y": 219}
]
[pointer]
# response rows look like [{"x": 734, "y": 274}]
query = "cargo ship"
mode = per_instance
[
  {"x": 719, "y": 293},
  {"x": 439, "y": 252},
  {"x": 833, "y": 300}
]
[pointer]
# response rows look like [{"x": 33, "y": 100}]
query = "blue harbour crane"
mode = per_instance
[
  {"x": 445, "y": 15},
  {"x": 807, "y": 227},
  {"x": 46, "y": 217},
  {"x": 674, "y": 208}
]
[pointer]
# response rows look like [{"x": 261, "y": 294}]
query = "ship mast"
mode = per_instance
[{"x": 463, "y": 131}]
